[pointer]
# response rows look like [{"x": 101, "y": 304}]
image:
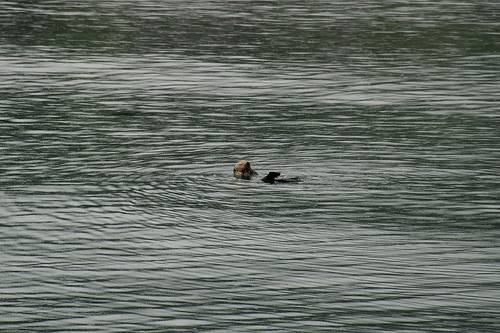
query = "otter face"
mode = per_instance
[{"x": 243, "y": 170}]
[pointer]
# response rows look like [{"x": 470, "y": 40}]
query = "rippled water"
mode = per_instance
[{"x": 120, "y": 123}]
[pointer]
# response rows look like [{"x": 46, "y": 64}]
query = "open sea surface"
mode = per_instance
[{"x": 120, "y": 123}]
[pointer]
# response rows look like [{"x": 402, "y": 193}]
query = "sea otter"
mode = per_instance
[{"x": 243, "y": 170}]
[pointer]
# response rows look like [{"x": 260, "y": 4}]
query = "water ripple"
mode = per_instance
[{"x": 120, "y": 124}]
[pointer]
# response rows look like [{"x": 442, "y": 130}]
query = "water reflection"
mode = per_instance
[{"x": 120, "y": 123}]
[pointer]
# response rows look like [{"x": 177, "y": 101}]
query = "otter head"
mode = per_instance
[{"x": 243, "y": 170}]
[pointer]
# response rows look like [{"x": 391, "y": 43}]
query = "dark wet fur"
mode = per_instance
[{"x": 271, "y": 178}]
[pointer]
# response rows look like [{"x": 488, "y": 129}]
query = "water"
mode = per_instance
[{"x": 120, "y": 122}]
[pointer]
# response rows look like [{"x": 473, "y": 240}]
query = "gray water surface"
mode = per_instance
[{"x": 120, "y": 123}]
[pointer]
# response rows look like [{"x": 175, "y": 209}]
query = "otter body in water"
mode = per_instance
[
  {"x": 271, "y": 178},
  {"x": 243, "y": 170}
]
